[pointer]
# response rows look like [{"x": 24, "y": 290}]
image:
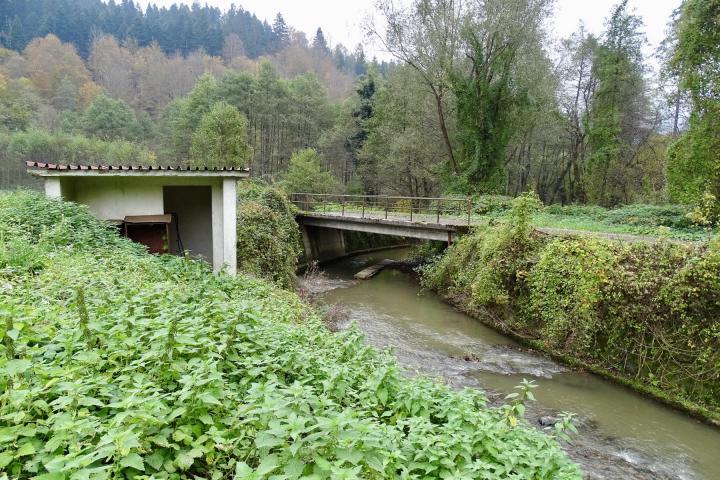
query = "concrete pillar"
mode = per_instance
[
  {"x": 229, "y": 198},
  {"x": 310, "y": 254},
  {"x": 323, "y": 244},
  {"x": 217, "y": 226},
  {"x": 52, "y": 188}
]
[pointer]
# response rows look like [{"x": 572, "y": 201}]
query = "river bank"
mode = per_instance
[
  {"x": 622, "y": 435},
  {"x": 463, "y": 304},
  {"x": 644, "y": 314}
]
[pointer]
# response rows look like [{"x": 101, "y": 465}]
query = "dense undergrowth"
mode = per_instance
[
  {"x": 119, "y": 364},
  {"x": 268, "y": 238},
  {"x": 646, "y": 311}
]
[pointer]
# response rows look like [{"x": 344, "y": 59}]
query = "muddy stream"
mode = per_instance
[{"x": 621, "y": 434}]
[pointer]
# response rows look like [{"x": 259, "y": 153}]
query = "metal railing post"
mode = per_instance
[
  {"x": 439, "y": 207},
  {"x": 411, "y": 209},
  {"x": 363, "y": 206},
  {"x": 469, "y": 209},
  {"x": 343, "y": 207},
  {"x": 386, "y": 207}
]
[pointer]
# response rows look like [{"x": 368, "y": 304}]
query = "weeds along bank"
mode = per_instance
[
  {"x": 647, "y": 313},
  {"x": 669, "y": 221},
  {"x": 119, "y": 364}
]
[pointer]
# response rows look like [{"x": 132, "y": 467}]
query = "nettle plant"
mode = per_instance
[{"x": 119, "y": 364}]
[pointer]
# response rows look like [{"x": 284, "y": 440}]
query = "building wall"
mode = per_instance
[
  {"x": 114, "y": 198},
  {"x": 192, "y": 209}
]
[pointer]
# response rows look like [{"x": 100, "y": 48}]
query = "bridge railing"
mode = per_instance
[{"x": 438, "y": 210}]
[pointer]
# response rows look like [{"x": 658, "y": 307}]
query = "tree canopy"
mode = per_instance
[{"x": 221, "y": 138}]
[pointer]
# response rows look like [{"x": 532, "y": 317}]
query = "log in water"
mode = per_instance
[{"x": 373, "y": 270}]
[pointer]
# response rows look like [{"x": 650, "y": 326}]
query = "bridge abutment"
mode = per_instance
[{"x": 322, "y": 244}]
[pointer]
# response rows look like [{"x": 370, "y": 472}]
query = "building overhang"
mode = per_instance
[{"x": 41, "y": 169}]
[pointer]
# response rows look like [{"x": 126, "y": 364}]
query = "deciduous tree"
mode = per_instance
[{"x": 220, "y": 139}]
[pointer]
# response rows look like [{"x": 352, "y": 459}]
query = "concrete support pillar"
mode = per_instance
[
  {"x": 323, "y": 244},
  {"x": 52, "y": 188},
  {"x": 217, "y": 226},
  {"x": 229, "y": 199},
  {"x": 310, "y": 254}
]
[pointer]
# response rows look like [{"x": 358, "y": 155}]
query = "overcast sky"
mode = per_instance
[{"x": 341, "y": 19}]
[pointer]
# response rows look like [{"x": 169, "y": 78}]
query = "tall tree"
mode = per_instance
[
  {"x": 502, "y": 42},
  {"x": 618, "y": 120},
  {"x": 110, "y": 119},
  {"x": 281, "y": 31},
  {"x": 362, "y": 113},
  {"x": 190, "y": 110},
  {"x": 49, "y": 62},
  {"x": 319, "y": 43},
  {"x": 426, "y": 36},
  {"x": 221, "y": 139},
  {"x": 694, "y": 165},
  {"x": 400, "y": 154},
  {"x": 577, "y": 89}
]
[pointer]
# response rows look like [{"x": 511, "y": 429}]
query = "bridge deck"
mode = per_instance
[
  {"x": 423, "y": 218},
  {"x": 420, "y": 219},
  {"x": 425, "y": 227},
  {"x": 394, "y": 225}
]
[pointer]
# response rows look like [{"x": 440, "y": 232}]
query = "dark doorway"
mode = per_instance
[{"x": 191, "y": 229}]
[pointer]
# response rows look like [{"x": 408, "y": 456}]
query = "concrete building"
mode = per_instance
[{"x": 169, "y": 209}]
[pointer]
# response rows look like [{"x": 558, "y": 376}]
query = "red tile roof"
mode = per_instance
[{"x": 53, "y": 166}]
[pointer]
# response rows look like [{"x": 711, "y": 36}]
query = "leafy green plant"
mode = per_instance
[
  {"x": 118, "y": 364},
  {"x": 564, "y": 426},
  {"x": 566, "y": 285},
  {"x": 707, "y": 212},
  {"x": 515, "y": 410},
  {"x": 491, "y": 264}
]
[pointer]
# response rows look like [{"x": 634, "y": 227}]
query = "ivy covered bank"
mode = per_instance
[
  {"x": 119, "y": 364},
  {"x": 645, "y": 314}
]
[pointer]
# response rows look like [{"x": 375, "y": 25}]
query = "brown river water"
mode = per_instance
[{"x": 622, "y": 435}]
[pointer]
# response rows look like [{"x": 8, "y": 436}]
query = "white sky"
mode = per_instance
[{"x": 341, "y": 20}]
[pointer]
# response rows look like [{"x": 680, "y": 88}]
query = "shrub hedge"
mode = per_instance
[{"x": 118, "y": 364}]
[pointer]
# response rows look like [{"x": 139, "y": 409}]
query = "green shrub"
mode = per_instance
[
  {"x": 674, "y": 216},
  {"x": 119, "y": 364},
  {"x": 491, "y": 204},
  {"x": 566, "y": 286},
  {"x": 62, "y": 148},
  {"x": 489, "y": 265},
  {"x": 18, "y": 147},
  {"x": 268, "y": 238}
]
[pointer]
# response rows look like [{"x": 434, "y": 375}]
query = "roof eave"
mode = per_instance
[{"x": 138, "y": 173}]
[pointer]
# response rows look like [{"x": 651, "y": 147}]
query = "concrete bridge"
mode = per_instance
[{"x": 324, "y": 219}]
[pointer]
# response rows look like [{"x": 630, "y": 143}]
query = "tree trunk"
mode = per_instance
[{"x": 446, "y": 136}]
